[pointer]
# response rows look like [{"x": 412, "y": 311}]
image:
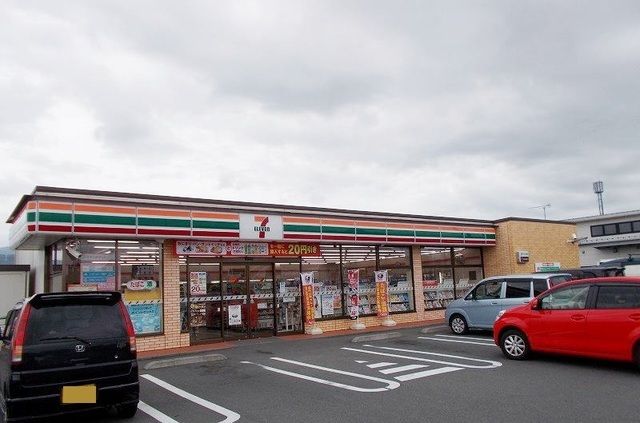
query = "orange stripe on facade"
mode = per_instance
[
  {"x": 212, "y": 215},
  {"x": 31, "y": 205},
  {"x": 104, "y": 209},
  {"x": 308, "y": 220},
  {"x": 164, "y": 213},
  {"x": 427, "y": 227},
  {"x": 337, "y": 222},
  {"x": 369, "y": 224},
  {"x": 54, "y": 206}
]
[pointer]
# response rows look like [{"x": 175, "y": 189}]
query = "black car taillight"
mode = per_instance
[
  {"x": 17, "y": 342},
  {"x": 131, "y": 334}
]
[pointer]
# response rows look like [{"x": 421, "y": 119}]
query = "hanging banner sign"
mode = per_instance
[
  {"x": 141, "y": 285},
  {"x": 198, "y": 283},
  {"x": 308, "y": 298},
  {"x": 382, "y": 292},
  {"x": 354, "y": 289},
  {"x": 263, "y": 249}
]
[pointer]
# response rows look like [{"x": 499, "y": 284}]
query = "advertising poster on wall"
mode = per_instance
[
  {"x": 146, "y": 318},
  {"x": 198, "y": 283},
  {"x": 327, "y": 304},
  {"x": 308, "y": 297},
  {"x": 198, "y": 315},
  {"x": 354, "y": 287},
  {"x": 103, "y": 276},
  {"x": 235, "y": 315},
  {"x": 382, "y": 292}
]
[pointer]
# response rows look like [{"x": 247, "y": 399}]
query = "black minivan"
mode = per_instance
[{"x": 68, "y": 352}]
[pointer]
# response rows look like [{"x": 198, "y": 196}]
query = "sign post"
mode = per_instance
[
  {"x": 308, "y": 304},
  {"x": 354, "y": 298},
  {"x": 382, "y": 297}
]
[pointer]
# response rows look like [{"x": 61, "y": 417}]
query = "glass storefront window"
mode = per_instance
[
  {"x": 397, "y": 260},
  {"x": 132, "y": 267},
  {"x": 327, "y": 290},
  {"x": 363, "y": 258},
  {"x": 437, "y": 277},
  {"x": 468, "y": 268},
  {"x": 289, "y": 305}
]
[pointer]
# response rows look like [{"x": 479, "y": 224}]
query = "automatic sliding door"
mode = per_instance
[
  {"x": 235, "y": 308},
  {"x": 261, "y": 304}
]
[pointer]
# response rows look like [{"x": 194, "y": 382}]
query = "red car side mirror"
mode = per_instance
[{"x": 535, "y": 304}]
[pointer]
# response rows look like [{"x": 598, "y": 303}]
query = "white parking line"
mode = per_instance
[
  {"x": 489, "y": 364},
  {"x": 230, "y": 416},
  {"x": 427, "y": 373},
  {"x": 457, "y": 341},
  {"x": 402, "y": 368},
  {"x": 465, "y": 337},
  {"x": 159, "y": 416},
  {"x": 381, "y": 364},
  {"x": 390, "y": 384}
]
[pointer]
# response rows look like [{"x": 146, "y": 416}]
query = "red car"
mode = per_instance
[{"x": 598, "y": 318}]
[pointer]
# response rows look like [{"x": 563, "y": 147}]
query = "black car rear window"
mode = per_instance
[{"x": 85, "y": 321}]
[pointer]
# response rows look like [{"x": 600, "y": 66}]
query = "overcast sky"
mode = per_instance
[{"x": 465, "y": 109}]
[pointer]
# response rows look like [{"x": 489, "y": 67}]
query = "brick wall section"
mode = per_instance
[
  {"x": 545, "y": 242},
  {"x": 172, "y": 338}
]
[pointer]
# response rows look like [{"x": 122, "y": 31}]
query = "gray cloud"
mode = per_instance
[{"x": 461, "y": 109}]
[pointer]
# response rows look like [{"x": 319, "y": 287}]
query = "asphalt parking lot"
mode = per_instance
[{"x": 413, "y": 376}]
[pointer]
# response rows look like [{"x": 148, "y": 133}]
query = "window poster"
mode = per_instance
[
  {"x": 146, "y": 318},
  {"x": 235, "y": 315}
]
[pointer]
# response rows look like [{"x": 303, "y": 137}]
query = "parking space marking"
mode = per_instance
[
  {"x": 230, "y": 416},
  {"x": 381, "y": 364},
  {"x": 488, "y": 363},
  {"x": 457, "y": 341},
  {"x": 402, "y": 368},
  {"x": 466, "y": 337},
  {"x": 389, "y": 384},
  {"x": 158, "y": 415},
  {"x": 427, "y": 373}
]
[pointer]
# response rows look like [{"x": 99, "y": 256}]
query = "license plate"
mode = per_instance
[{"x": 85, "y": 394}]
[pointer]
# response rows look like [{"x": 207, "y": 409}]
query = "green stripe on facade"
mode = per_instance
[
  {"x": 167, "y": 223},
  {"x": 453, "y": 234},
  {"x": 428, "y": 234},
  {"x": 364, "y": 231},
  {"x": 400, "y": 232},
  {"x": 491, "y": 236},
  {"x": 207, "y": 224},
  {"x": 54, "y": 217},
  {"x": 105, "y": 220},
  {"x": 301, "y": 228},
  {"x": 473, "y": 235},
  {"x": 31, "y": 216},
  {"x": 338, "y": 230}
]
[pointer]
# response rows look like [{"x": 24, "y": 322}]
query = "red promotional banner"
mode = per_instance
[
  {"x": 354, "y": 294},
  {"x": 307, "y": 298},
  {"x": 286, "y": 249},
  {"x": 264, "y": 249},
  {"x": 382, "y": 293}
]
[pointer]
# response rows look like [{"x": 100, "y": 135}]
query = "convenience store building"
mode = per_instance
[{"x": 194, "y": 270}]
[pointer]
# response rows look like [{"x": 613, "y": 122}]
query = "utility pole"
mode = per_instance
[
  {"x": 598, "y": 189},
  {"x": 544, "y": 209}
]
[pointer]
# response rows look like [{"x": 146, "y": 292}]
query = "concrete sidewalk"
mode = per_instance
[{"x": 216, "y": 346}]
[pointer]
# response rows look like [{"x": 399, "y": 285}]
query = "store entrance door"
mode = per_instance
[{"x": 248, "y": 307}]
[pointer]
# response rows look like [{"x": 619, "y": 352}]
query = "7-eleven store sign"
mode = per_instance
[{"x": 261, "y": 227}]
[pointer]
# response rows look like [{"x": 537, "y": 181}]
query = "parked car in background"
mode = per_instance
[
  {"x": 480, "y": 306},
  {"x": 68, "y": 352},
  {"x": 592, "y": 272},
  {"x": 597, "y": 318}
]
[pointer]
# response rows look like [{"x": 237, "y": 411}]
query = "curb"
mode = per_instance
[
  {"x": 180, "y": 361},
  {"x": 376, "y": 337}
]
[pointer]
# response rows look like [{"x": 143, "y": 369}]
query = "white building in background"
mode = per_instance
[{"x": 613, "y": 236}]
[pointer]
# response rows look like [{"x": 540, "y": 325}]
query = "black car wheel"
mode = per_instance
[
  {"x": 458, "y": 324},
  {"x": 127, "y": 411},
  {"x": 514, "y": 345}
]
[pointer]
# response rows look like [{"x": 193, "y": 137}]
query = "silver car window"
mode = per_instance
[{"x": 571, "y": 298}]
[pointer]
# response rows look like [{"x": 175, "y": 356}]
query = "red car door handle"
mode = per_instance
[
  {"x": 577, "y": 317},
  {"x": 635, "y": 316}
]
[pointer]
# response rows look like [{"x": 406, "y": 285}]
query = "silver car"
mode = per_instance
[{"x": 481, "y": 305}]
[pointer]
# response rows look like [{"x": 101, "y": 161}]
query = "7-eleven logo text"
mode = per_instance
[{"x": 261, "y": 225}]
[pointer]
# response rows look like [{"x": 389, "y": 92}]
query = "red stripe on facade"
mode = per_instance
[
  {"x": 100, "y": 230},
  {"x": 393, "y": 239},
  {"x": 54, "y": 228},
  {"x": 164, "y": 232},
  {"x": 31, "y": 228},
  {"x": 372, "y": 238},
  {"x": 452, "y": 241},
  {"x": 297, "y": 236},
  {"x": 216, "y": 234},
  {"x": 338, "y": 238},
  {"x": 429, "y": 240}
]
